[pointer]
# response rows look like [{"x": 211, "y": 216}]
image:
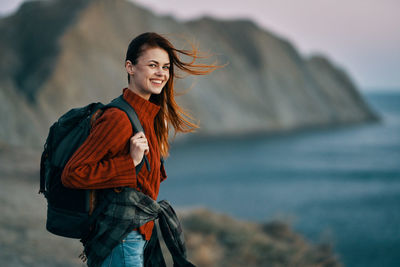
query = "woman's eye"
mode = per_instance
[
  {"x": 166, "y": 67},
  {"x": 152, "y": 65}
]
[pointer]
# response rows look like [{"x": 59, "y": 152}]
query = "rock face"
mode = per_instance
[{"x": 61, "y": 54}]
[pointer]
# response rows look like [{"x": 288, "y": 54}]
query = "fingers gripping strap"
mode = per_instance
[{"x": 120, "y": 103}]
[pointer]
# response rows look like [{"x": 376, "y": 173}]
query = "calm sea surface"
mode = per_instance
[{"x": 339, "y": 185}]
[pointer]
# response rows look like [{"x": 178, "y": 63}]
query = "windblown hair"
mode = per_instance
[{"x": 170, "y": 113}]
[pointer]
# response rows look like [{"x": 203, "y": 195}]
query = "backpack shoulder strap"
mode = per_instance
[{"x": 121, "y": 104}]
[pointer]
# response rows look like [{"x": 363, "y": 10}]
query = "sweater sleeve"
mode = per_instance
[{"x": 103, "y": 160}]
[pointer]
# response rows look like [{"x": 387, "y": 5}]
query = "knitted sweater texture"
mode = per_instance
[{"x": 103, "y": 160}]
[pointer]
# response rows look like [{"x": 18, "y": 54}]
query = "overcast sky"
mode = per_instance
[{"x": 362, "y": 36}]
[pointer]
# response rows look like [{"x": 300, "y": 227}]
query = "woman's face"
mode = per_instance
[{"x": 151, "y": 72}]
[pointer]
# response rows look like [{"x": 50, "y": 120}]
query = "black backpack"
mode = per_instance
[{"x": 70, "y": 211}]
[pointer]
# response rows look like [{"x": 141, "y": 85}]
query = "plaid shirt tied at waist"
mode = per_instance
[{"x": 128, "y": 210}]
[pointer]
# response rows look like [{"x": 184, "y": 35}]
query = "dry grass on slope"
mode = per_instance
[
  {"x": 212, "y": 239},
  {"x": 219, "y": 240}
]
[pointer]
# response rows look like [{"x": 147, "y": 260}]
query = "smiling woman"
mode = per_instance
[
  {"x": 151, "y": 72},
  {"x": 110, "y": 156}
]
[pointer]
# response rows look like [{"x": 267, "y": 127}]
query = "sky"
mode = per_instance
[{"x": 360, "y": 36}]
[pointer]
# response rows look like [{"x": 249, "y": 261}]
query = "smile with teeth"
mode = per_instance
[{"x": 156, "y": 81}]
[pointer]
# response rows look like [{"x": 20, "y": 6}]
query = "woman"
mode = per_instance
[{"x": 108, "y": 157}]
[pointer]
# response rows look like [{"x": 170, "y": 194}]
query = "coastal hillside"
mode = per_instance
[
  {"x": 213, "y": 240},
  {"x": 61, "y": 54}
]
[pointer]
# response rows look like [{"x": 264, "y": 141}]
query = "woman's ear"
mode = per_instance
[{"x": 130, "y": 68}]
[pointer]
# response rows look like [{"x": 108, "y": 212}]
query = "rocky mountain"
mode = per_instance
[{"x": 59, "y": 54}]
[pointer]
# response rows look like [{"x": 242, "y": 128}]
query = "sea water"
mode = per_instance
[{"x": 339, "y": 185}]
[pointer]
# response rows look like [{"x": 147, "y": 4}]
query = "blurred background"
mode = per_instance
[{"x": 296, "y": 162}]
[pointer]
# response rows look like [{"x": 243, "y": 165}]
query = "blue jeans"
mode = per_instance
[{"x": 128, "y": 253}]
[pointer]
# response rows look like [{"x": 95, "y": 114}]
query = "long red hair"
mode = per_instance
[{"x": 170, "y": 113}]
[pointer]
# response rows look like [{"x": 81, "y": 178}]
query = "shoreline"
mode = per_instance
[{"x": 212, "y": 239}]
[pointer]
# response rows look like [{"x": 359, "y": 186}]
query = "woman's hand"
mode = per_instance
[{"x": 138, "y": 147}]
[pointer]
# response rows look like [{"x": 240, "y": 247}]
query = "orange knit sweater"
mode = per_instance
[{"x": 103, "y": 160}]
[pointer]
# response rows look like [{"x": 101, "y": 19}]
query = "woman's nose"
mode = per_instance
[{"x": 159, "y": 71}]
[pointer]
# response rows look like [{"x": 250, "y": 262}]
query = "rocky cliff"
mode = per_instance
[{"x": 61, "y": 54}]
